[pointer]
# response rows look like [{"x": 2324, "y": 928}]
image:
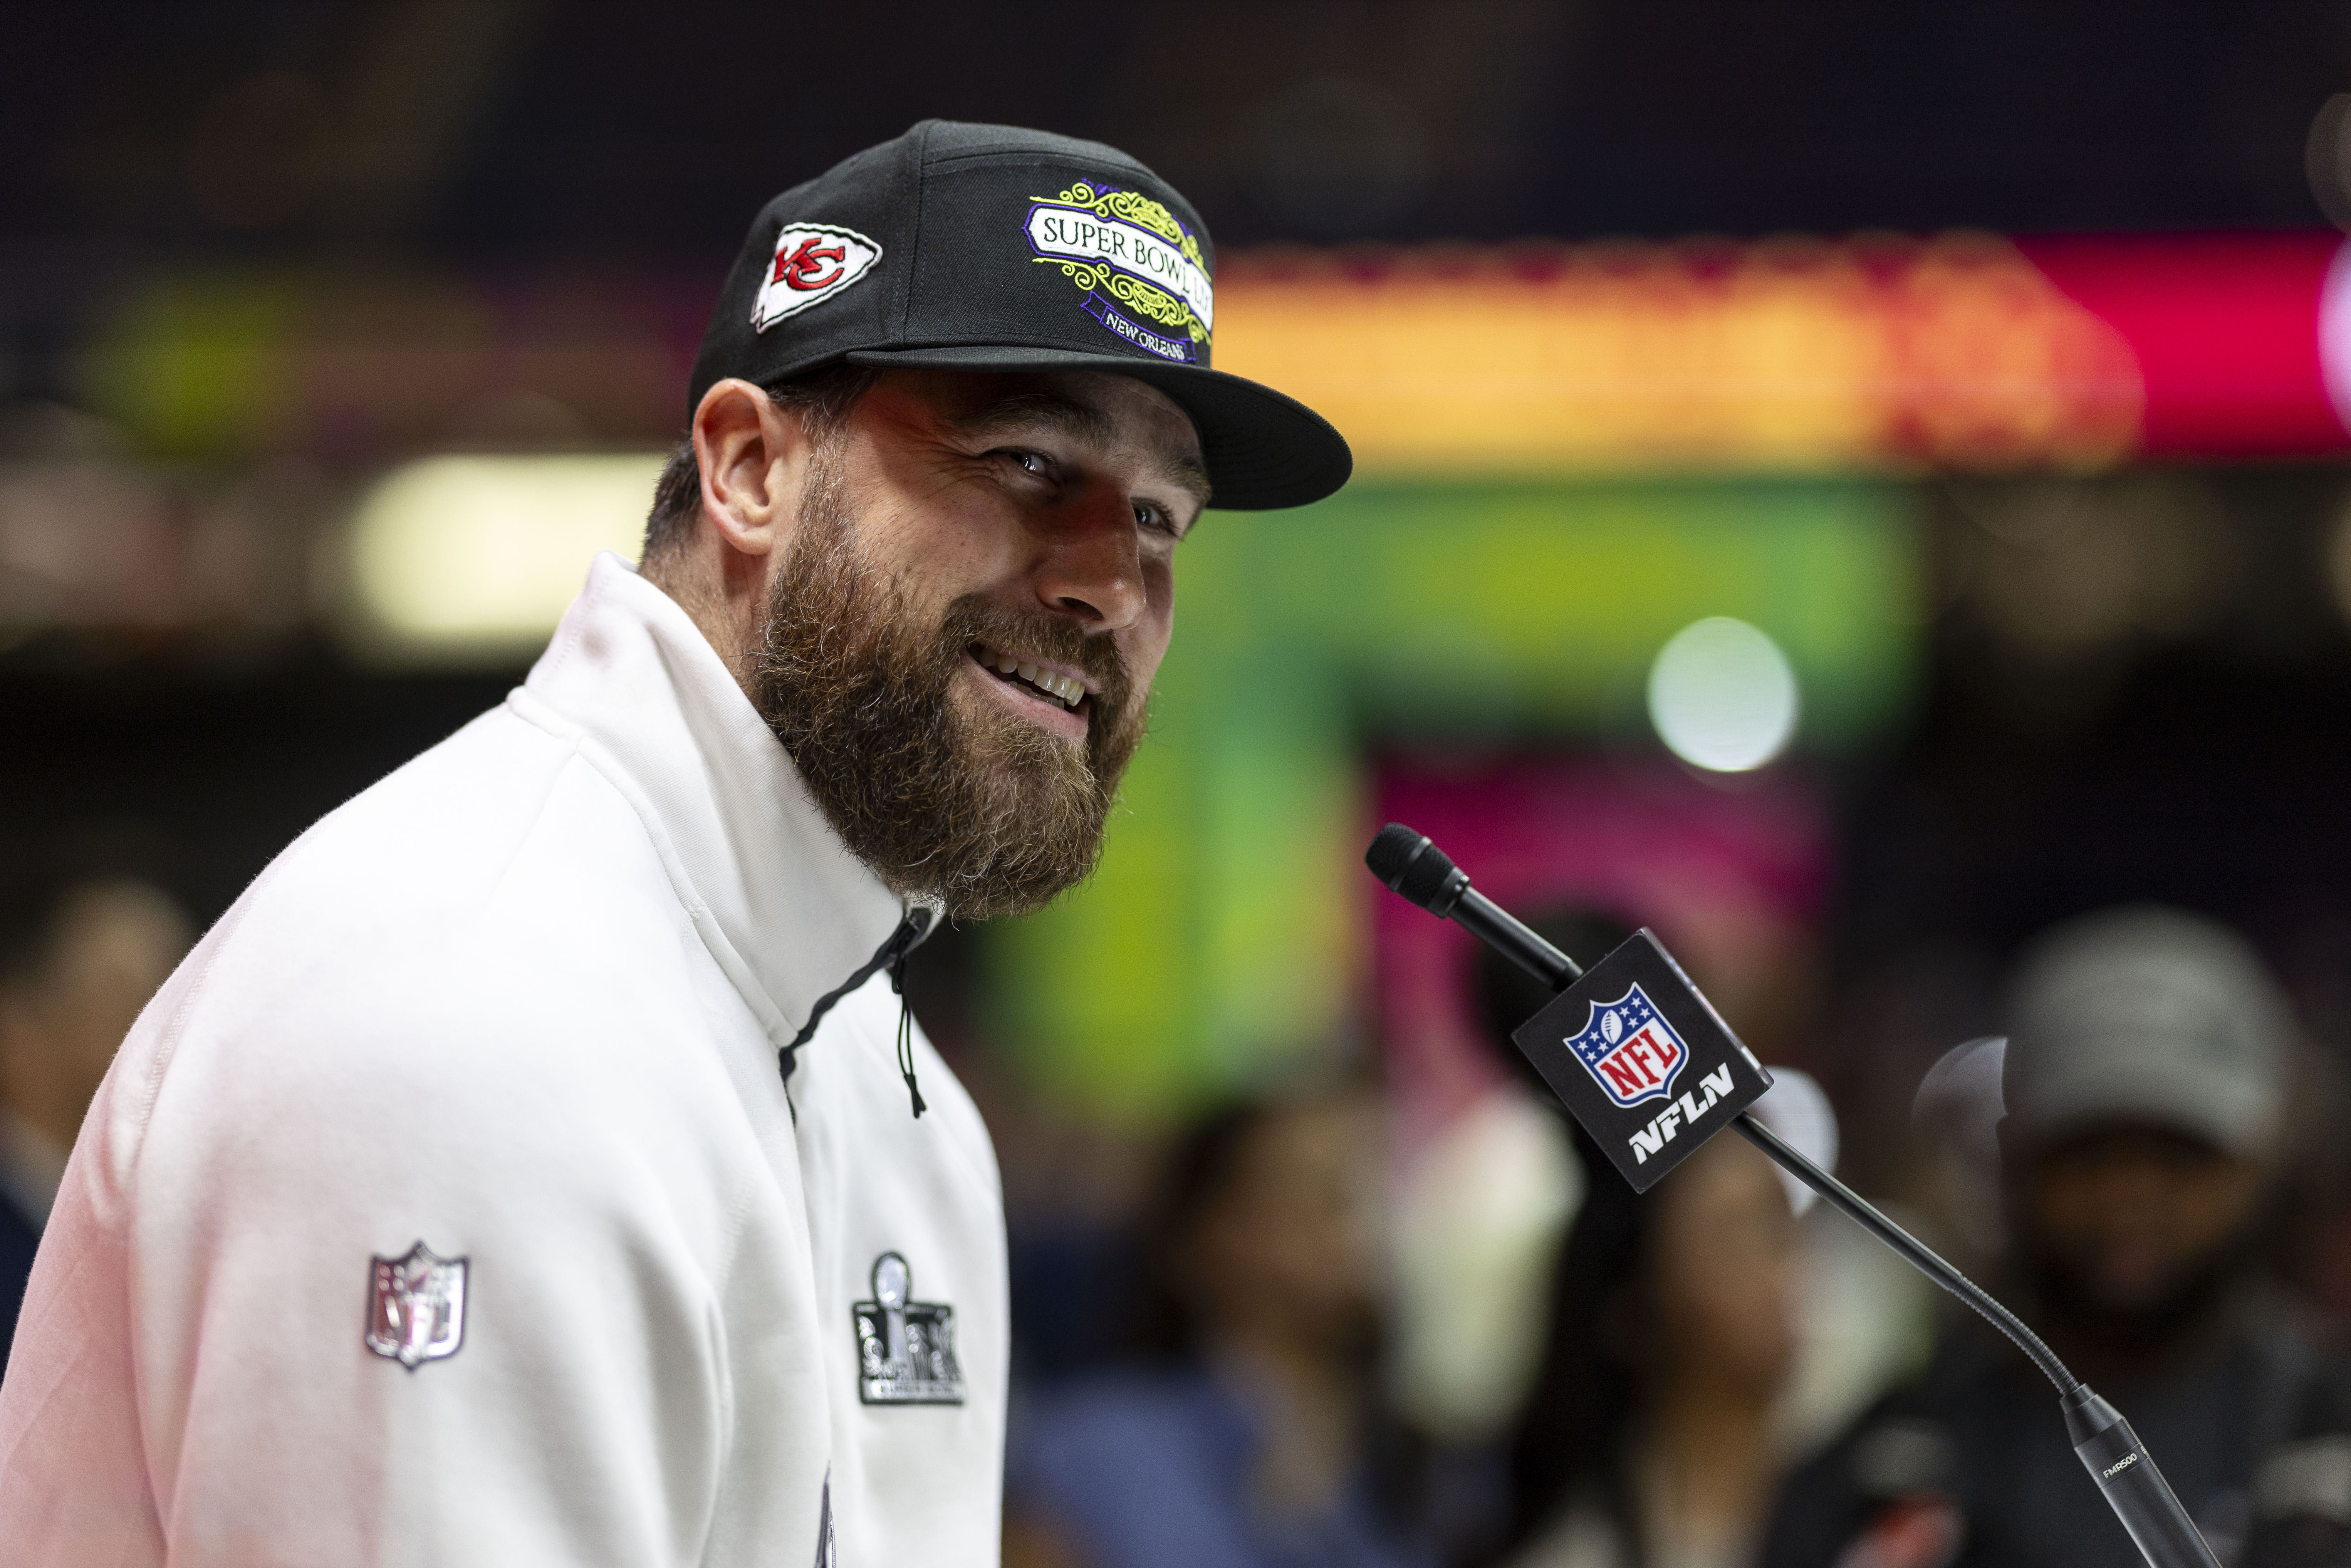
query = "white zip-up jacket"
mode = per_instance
[{"x": 522, "y": 1003}]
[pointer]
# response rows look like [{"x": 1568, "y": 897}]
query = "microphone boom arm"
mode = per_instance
[{"x": 2126, "y": 1472}]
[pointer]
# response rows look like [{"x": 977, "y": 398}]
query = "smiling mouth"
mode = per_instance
[{"x": 1015, "y": 672}]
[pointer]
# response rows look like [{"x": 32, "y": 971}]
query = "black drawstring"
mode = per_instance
[
  {"x": 905, "y": 1034},
  {"x": 892, "y": 958}
]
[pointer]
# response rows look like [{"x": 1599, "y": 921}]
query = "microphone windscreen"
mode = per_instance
[{"x": 1409, "y": 863}]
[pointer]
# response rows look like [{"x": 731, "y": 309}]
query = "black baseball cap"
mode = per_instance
[{"x": 985, "y": 247}]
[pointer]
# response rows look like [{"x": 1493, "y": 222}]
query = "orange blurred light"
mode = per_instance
[{"x": 1785, "y": 357}]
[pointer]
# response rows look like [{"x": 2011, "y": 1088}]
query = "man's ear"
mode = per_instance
[{"x": 750, "y": 453}]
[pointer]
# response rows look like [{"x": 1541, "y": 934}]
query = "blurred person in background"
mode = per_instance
[
  {"x": 2146, "y": 1081},
  {"x": 1648, "y": 1439},
  {"x": 1255, "y": 1438},
  {"x": 1656, "y": 1425},
  {"x": 79, "y": 959}
]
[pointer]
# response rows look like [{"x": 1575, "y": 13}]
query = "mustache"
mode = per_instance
[{"x": 976, "y": 620}]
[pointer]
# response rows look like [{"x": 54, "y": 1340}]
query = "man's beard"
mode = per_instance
[
  {"x": 986, "y": 811},
  {"x": 2146, "y": 1323}
]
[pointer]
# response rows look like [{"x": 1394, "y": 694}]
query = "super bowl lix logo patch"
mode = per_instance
[
  {"x": 905, "y": 1348},
  {"x": 1146, "y": 278},
  {"x": 812, "y": 264}
]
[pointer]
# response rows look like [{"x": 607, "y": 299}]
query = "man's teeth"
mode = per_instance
[{"x": 1071, "y": 692}]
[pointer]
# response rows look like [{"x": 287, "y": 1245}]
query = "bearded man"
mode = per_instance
[
  {"x": 2147, "y": 1084},
  {"x": 536, "y": 1165}
]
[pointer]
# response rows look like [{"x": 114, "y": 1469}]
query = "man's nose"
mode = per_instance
[{"x": 1091, "y": 568}]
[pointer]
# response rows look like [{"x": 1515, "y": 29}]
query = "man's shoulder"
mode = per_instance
[
  {"x": 445, "y": 825},
  {"x": 500, "y": 817},
  {"x": 494, "y": 892},
  {"x": 2294, "y": 1370}
]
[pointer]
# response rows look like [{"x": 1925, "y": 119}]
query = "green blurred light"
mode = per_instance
[{"x": 1219, "y": 944}]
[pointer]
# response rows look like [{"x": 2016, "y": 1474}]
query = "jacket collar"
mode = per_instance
[{"x": 786, "y": 909}]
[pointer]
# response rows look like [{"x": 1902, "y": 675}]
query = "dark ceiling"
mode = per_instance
[{"x": 539, "y": 130}]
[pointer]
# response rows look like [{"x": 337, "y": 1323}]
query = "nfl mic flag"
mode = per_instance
[{"x": 1642, "y": 1061}]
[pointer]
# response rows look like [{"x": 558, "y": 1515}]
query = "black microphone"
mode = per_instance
[
  {"x": 1610, "y": 1068},
  {"x": 1423, "y": 874}
]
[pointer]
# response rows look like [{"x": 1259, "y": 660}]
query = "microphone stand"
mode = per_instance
[{"x": 2126, "y": 1472}]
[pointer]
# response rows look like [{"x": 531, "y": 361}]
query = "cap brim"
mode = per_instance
[{"x": 1262, "y": 450}]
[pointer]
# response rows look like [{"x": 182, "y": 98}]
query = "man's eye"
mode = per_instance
[{"x": 1035, "y": 463}]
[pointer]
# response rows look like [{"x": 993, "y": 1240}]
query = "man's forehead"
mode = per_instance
[{"x": 1112, "y": 411}]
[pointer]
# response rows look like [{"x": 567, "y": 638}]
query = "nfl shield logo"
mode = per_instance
[
  {"x": 417, "y": 1311},
  {"x": 1630, "y": 1050}
]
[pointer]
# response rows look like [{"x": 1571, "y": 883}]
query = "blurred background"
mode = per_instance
[{"x": 1846, "y": 487}]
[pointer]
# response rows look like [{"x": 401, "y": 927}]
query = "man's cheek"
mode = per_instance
[{"x": 1143, "y": 658}]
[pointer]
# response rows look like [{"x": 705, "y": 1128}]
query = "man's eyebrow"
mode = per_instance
[
  {"x": 1192, "y": 475},
  {"x": 1082, "y": 421},
  {"x": 1050, "y": 409}
]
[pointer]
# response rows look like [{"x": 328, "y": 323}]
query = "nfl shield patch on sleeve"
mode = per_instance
[
  {"x": 1642, "y": 1061},
  {"x": 416, "y": 1307}
]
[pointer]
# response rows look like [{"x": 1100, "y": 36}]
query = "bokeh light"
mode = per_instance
[
  {"x": 1722, "y": 695},
  {"x": 467, "y": 557}
]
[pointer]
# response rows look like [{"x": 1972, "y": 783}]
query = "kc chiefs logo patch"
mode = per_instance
[{"x": 812, "y": 264}]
